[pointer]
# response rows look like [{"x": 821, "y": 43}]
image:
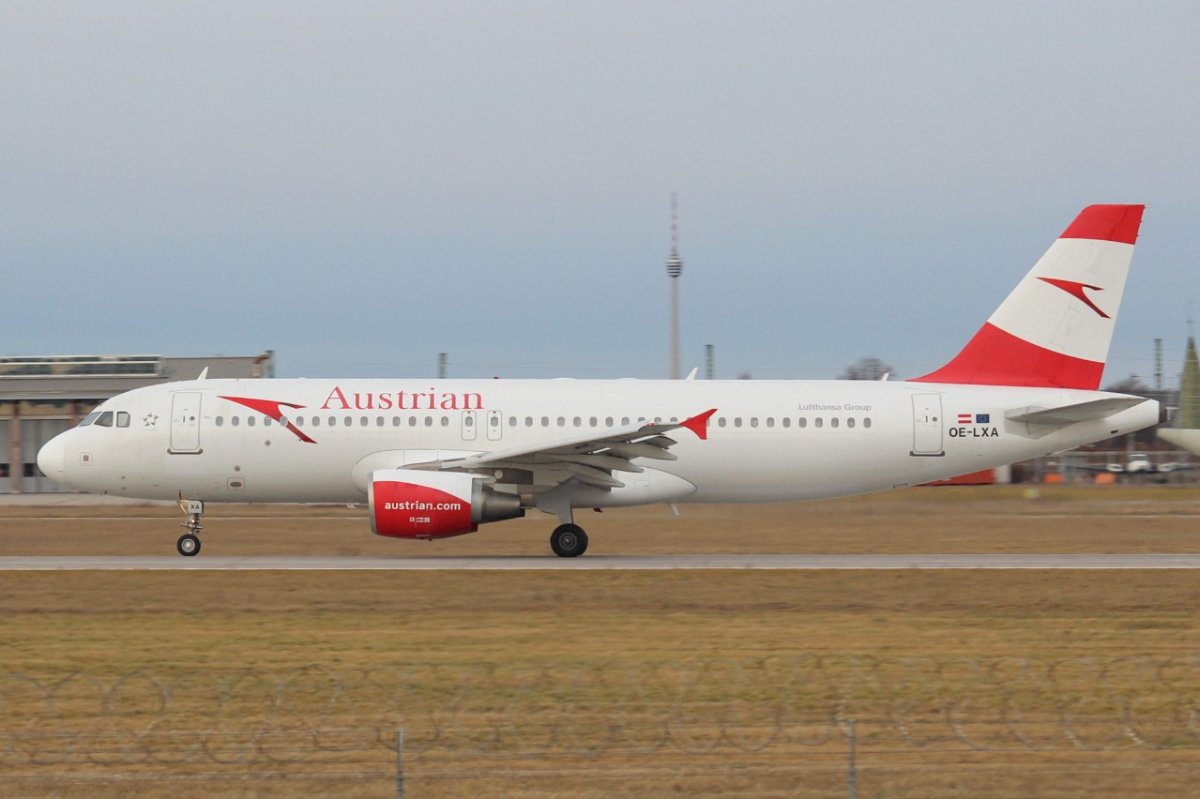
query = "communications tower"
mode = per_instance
[{"x": 674, "y": 270}]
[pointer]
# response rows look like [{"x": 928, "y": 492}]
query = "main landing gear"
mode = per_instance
[
  {"x": 189, "y": 543},
  {"x": 568, "y": 541}
]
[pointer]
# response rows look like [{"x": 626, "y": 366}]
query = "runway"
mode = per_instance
[{"x": 602, "y": 562}]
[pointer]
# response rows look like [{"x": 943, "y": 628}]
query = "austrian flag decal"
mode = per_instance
[{"x": 974, "y": 425}]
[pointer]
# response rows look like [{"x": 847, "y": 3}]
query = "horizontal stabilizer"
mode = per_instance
[
  {"x": 1077, "y": 412},
  {"x": 1186, "y": 439}
]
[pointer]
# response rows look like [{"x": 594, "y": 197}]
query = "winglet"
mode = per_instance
[{"x": 698, "y": 424}]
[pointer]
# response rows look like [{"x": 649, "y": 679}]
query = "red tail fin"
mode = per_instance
[{"x": 1055, "y": 327}]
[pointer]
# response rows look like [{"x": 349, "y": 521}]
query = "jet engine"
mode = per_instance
[{"x": 408, "y": 503}]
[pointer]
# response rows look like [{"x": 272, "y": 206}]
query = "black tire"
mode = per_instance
[
  {"x": 568, "y": 541},
  {"x": 188, "y": 545}
]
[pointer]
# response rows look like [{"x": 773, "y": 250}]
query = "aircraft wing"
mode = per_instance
[
  {"x": 1167, "y": 468},
  {"x": 1111, "y": 468},
  {"x": 591, "y": 459}
]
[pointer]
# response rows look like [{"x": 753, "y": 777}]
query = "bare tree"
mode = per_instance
[
  {"x": 1131, "y": 385},
  {"x": 869, "y": 368}
]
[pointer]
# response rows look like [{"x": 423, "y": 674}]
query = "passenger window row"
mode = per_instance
[
  {"x": 802, "y": 422},
  {"x": 443, "y": 420}
]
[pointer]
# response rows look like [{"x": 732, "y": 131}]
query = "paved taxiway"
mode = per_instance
[{"x": 600, "y": 562}]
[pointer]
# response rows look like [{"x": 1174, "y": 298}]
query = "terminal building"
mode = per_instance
[{"x": 42, "y": 396}]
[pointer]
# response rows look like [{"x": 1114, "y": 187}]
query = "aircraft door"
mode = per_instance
[
  {"x": 185, "y": 422},
  {"x": 495, "y": 425},
  {"x": 927, "y": 425},
  {"x": 469, "y": 426}
]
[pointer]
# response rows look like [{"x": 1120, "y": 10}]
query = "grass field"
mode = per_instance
[{"x": 550, "y": 683}]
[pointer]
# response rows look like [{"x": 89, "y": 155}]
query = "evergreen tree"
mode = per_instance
[{"x": 1189, "y": 390}]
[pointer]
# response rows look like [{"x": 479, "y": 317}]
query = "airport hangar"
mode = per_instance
[{"x": 40, "y": 396}]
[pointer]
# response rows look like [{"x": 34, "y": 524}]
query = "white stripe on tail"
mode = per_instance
[{"x": 1055, "y": 327}]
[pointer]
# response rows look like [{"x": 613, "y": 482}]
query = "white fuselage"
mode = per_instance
[{"x": 768, "y": 440}]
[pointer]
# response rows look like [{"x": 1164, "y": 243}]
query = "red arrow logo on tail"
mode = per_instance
[{"x": 1075, "y": 289}]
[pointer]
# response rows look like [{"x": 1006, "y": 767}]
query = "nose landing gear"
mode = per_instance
[{"x": 189, "y": 543}]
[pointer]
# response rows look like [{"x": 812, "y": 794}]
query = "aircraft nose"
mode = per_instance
[{"x": 51, "y": 458}]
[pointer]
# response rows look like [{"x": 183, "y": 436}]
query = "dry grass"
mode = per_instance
[{"x": 646, "y": 684}]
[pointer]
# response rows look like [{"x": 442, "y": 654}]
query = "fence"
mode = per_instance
[{"x": 819, "y": 726}]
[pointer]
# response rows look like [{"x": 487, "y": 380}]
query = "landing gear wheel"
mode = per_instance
[
  {"x": 568, "y": 541},
  {"x": 188, "y": 544}
]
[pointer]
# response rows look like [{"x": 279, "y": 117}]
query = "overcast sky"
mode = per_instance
[{"x": 360, "y": 186}]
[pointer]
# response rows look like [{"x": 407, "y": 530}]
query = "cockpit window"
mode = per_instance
[
  {"x": 104, "y": 420},
  {"x": 89, "y": 419},
  {"x": 122, "y": 419}
]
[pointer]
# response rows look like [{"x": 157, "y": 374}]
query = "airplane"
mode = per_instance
[
  {"x": 1136, "y": 463},
  {"x": 433, "y": 459}
]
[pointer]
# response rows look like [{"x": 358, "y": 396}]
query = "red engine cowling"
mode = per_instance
[{"x": 407, "y": 503}]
